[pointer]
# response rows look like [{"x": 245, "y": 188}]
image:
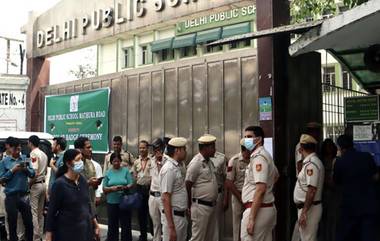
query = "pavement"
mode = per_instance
[{"x": 135, "y": 233}]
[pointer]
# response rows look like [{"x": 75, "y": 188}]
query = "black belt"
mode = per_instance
[
  {"x": 301, "y": 205},
  {"x": 155, "y": 194},
  {"x": 206, "y": 203},
  {"x": 39, "y": 182},
  {"x": 177, "y": 213}
]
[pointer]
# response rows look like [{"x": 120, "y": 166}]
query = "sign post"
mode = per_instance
[
  {"x": 79, "y": 114},
  {"x": 361, "y": 109}
]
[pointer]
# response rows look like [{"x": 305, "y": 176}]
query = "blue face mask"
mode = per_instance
[
  {"x": 249, "y": 144},
  {"x": 78, "y": 167}
]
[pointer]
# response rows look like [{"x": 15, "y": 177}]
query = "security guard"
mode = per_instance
[
  {"x": 308, "y": 189},
  {"x": 259, "y": 217},
  {"x": 174, "y": 196},
  {"x": 235, "y": 181},
  {"x": 202, "y": 189},
  {"x": 220, "y": 163},
  {"x": 155, "y": 208},
  {"x": 127, "y": 157}
]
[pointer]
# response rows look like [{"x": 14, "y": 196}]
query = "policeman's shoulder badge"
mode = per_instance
[
  {"x": 259, "y": 167},
  {"x": 309, "y": 172}
]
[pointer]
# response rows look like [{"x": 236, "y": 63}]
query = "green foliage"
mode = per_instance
[
  {"x": 302, "y": 10},
  {"x": 353, "y": 3}
]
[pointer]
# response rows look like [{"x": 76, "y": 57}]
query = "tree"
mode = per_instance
[
  {"x": 302, "y": 10},
  {"x": 87, "y": 64}
]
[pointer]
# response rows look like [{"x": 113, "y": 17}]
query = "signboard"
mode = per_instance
[
  {"x": 12, "y": 99},
  {"x": 363, "y": 132},
  {"x": 359, "y": 109},
  {"x": 228, "y": 17},
  {"x": 74, "y": 24},
  {"x": 79, "y": 114},
  {"x": 265, "y": 105}
]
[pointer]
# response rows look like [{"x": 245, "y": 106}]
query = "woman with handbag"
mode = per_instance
[
  {"x": 69, "y": 214},
  {"x": 117, "y": 181}
]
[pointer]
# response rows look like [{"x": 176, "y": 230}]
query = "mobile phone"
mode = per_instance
[
  {"x": 100, "y": 179},
  {"x": 22, "y": 164}
]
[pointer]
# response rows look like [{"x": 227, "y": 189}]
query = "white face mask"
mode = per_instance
[{"x": 78, "y": 167}]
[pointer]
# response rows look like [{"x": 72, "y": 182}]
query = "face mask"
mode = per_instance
[
  {"x": 78, "y": 167},
  {"x": 249, "y": 144}
]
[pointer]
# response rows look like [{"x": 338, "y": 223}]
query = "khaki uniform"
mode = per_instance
[
  {"x": 173, "y": 181},
  {"x": 141, "y": 173},
  {"x": 236, "y": 173},
  {"x": 155, "y": 208},
  {"x": 143, "y": 180},
  {"x": 127, "y": 160},
  {"x": 297, "y": 157},
  {"x": 261, "y": 169},
  {"x": 312, "y": 174},
  {"x": 38, "y": 192},
  {"x": 219, "y": 161},
  {"x": 89, "y": 171},
  {"x": 204, "y": 196}
]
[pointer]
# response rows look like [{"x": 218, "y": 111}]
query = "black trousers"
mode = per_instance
[
  {"x": 118, "y": 218},
  {"x": 143, "y": 212},
  {"x": 357, "y": 228},
  {"x": 19, "y": 203}
]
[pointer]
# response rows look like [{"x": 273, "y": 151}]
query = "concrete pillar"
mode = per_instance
[{"x": 38, "y": 71}]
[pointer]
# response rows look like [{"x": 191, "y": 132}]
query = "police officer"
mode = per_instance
[
  {"x": 127, "y": 157},
  {"x": 220, "y": 163},
  {"x": 308, "y": 189},
  {"x": 259, "y": 217},
  {"x": 14, "y": 172},
  {"x": 141, "y": 171},
  {"x": 37, "y": 185},
  {"x": 174, "y": 196},
  {"x": 202, "y": 189},
  {"x": 155, "y": 193},
  {"x": 235, "y": 181}
]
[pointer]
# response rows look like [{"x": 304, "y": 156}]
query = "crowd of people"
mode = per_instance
[{"x": 170, "y": 197}]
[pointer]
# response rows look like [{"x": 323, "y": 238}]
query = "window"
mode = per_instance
[
  {"x": 128, "y": 57},
  {"x": 347, "y": 80},
  {"x": 146, "y": 55},
  {"x": 188, "y": 51},
  {"x": 165, "y": 55},
  {"x": 240, "y": 44},
  {"x": 328, "y": 78},
  {"x": 213, "y": 49}
]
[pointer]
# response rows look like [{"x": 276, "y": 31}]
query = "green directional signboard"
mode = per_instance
[
  {"x": 359, "y": 109},
  {"x": 213, "y": 20},
  {"x": 79, "y": 114}
]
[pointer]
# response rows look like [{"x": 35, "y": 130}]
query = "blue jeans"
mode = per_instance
[
  {"x": 19, "y": 203},
  {"x": 118, "y": 218}
]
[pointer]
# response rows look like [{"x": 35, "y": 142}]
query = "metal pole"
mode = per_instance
[{"x": 8, "y": 59}]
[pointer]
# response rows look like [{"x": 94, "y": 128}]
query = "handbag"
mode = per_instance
[{"x": 131, "y": 201}]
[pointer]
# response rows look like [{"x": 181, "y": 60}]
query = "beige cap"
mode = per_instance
[
  {"x": 307, "y": 139},
  {"x": 206, "y": 139},
  {"x": 178, "y": 142},
  {"x": 242, "y": 142}
]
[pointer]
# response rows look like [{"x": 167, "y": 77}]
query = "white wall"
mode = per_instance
[
  {"x": 13, "y": 118},
  {"x": 107, "y": 60}
]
